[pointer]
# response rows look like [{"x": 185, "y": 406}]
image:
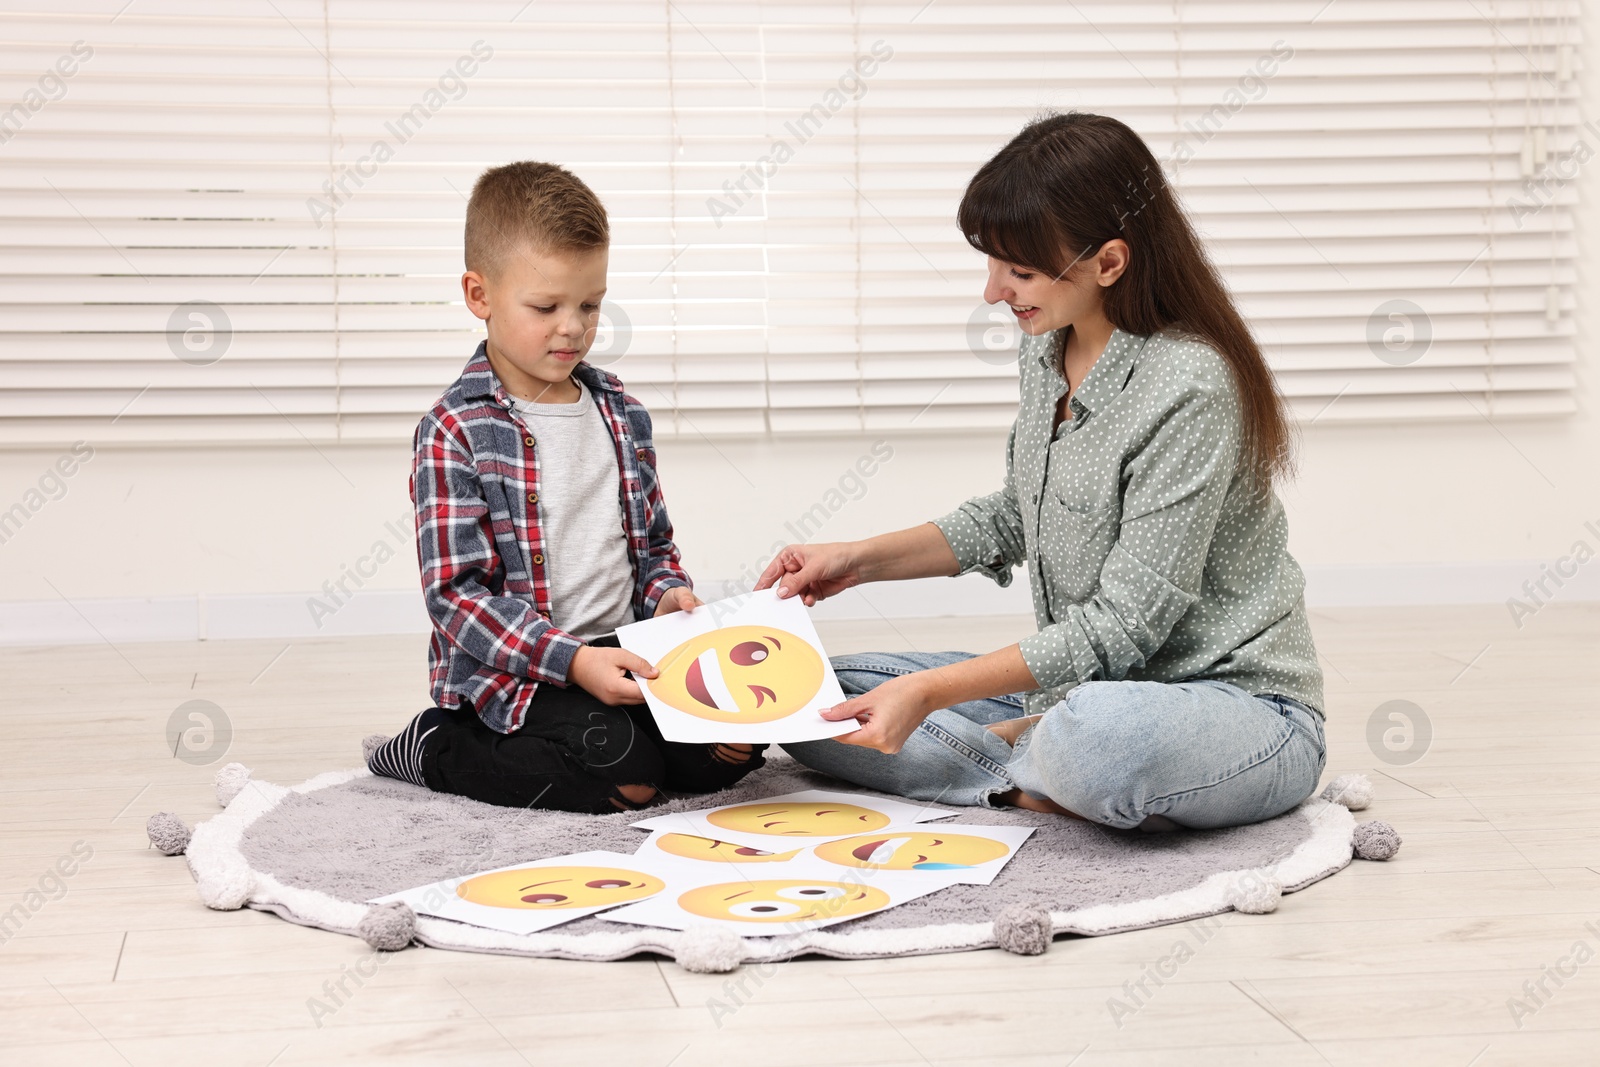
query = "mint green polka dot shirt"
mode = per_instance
[{"x": 1149, "y": 555}]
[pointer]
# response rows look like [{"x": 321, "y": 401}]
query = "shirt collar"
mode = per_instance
[
  {"x": 479, "y": 380},
  {"x": 1109, "y": 374}
]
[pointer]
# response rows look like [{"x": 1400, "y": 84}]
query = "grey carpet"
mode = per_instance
[{"x": 373, "y": 836}]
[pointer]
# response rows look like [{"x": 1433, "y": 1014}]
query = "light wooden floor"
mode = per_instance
[{"x": 1410, "y": 962}]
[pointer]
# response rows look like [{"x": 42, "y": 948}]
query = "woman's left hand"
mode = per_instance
[{"x": 888, "y": 714}]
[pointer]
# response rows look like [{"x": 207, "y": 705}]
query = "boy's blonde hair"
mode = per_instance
[{"x": 542, "y": 206}]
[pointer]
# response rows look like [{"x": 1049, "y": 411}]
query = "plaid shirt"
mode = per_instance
[{"x": 475, "y": 485}]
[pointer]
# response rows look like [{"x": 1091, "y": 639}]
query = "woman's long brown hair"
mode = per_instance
[{"x": 1069, "y": 183}]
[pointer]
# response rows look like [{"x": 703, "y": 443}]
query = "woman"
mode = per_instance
[{"x": 1173, "y": 678}]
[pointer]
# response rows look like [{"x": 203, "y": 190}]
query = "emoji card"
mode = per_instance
[
  {"x": 958, "y": 852},
  {"x": 746, "y": 669},
  {"x": 809, "y": 817},
  {"x": 675, "y": 848},
  {"x": 754, "y": 903},
  {"x": 537, "y": 895}
]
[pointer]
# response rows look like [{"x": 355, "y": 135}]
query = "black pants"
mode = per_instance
[{"x": 571, "y": 755}]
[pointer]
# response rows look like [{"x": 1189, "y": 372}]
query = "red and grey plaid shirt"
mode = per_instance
[{"x": 475, "y": 484}]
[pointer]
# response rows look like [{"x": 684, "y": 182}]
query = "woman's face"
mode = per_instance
[{"x": 1042, "y": 302}]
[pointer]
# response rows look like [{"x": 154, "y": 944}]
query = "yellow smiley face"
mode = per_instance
[
  {"x": 548, "y": 888},
  {"x": 807, "y": 819},
  {"x": 706, "y": 848},
  {"x": 912, "y": 851},
  {"x": 740, "y": 674},
  {"x": 782, "y": 900}
]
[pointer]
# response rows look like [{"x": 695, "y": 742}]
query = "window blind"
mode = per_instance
[{"x": 243, "y": 223}]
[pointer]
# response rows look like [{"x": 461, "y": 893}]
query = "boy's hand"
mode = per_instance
[
  {"x": 678, "y": 598},
  {"x": 602, "y": 673}
]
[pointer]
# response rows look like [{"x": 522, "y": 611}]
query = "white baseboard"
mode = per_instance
[
  {"x": 189, "y": 618},
  {"x": 120, "y": 620},
  {"x": 1415, "y": 584}
]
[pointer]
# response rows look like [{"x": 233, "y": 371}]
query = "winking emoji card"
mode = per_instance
[{"x": 748, "y": 669}]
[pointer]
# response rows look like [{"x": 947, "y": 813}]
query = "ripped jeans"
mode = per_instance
[{"x": 1203, "y": 754}]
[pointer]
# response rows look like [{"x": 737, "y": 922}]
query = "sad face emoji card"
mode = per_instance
[
  {"x": 539, "y": 894},
  {"x": 558, "y": 888},
  {"x": 747, "y": 669},
  {"x": 809, "y": 817}
]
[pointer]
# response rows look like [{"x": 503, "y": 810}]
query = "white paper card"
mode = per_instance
[
  {"x": 950, "y": 852},
  {"x": 749, "y": 669},
  {"x": 790, "y": 898},
  {"x": 537, "y": 895},
  {"x": 689, "y": 850},
  {"x": 956, "y": 852},
  {"x": 809, "y": 817}
]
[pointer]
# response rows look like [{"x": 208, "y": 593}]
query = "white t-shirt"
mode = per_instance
[{"x": 580, "y": 512}]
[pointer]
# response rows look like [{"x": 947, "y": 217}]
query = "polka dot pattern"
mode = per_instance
[{"x": 1151, "y": 557}]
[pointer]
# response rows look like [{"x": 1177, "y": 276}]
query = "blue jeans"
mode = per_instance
[{"x": 1202, "y": 754}]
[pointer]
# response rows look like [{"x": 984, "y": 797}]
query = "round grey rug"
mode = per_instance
[{"x": 314, "y": 853}]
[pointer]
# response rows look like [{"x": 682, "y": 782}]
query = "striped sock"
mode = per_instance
[{"x": 401, "y": 756}]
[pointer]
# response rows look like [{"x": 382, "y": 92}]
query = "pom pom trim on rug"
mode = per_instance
[
  {"x": 1255, "y": 893},
  {"x": 1024, "y": 929},
  {"x": 230, "y": 782},
  {"x": 227, "y": 886},
  {"x": 168, "y": 833},
  {"x": 388, "y": 927},
  {"x": 1375, "y": 840},
  {"x": 710, "y": 950},
  {"x": 214, "y": 856},
  {"x": 1354, "y": 791}
]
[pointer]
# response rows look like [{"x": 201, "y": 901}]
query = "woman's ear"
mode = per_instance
[{"x": 1111, "y": 261}]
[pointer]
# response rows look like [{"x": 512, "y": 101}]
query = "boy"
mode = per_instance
[{"x": 540, "y": 529}]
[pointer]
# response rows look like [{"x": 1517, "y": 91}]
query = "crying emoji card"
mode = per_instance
[
  {"x": 961, "y": 852},
  {"x": 746, "y": 669}
]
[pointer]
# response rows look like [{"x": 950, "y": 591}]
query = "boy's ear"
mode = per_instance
[{"x": 475, "y": 291}]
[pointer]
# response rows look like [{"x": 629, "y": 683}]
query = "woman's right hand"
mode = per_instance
[{"x": 813, "y": 572}]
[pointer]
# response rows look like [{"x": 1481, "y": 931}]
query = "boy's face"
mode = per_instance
[{"x": 542, "y": 310}]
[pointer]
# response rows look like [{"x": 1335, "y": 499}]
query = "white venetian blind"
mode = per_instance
[{"x": 243, "y": 222}]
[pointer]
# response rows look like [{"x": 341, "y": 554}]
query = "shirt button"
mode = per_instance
[
  {"x": 528, "y": 441},
  {"x": 538, "y": 559},
  {"x": 640, "y": 454},
  {"x": 533, "y": 498}
]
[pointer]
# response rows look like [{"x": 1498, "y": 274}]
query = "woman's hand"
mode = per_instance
[
  {"x": 678, "y": 598},
  {"x": 816, "y": 572},
  {"x": 813, "y": 572},
  {"x": 888, "y": 714},
  {"x": 602, "y": 672}
]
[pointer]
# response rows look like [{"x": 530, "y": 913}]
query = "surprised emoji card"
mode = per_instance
[{"x": 749, "y": 669}]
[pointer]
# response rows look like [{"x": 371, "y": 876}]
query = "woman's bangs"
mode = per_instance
[{"x": 1011, "y": 229}]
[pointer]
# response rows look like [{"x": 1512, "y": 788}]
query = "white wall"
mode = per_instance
[
  {"x": 220, "y": 523},
  {"x": 1461, "y": 511}
]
